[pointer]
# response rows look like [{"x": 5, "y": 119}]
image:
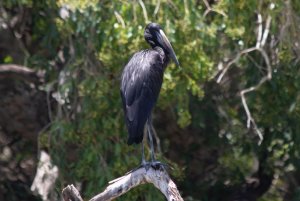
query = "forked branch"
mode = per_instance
[
  {"x": 262, "y": 35},
  {"x": 157, "y": 176},
  {"x": 210, "y": 9}
]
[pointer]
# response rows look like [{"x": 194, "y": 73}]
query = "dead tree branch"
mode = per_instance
[
  {"x": 157, "y": 176},
  {"x": 45, "y": 177},
  {"x": 237, "y": 57},
  {"x": 210, "y": 9},
  {"x": 14, "y": 71},
  {"x": 70, "y": 193},
  {"x": 262, "y": 36},
  {"x": 144, "y": 10}
]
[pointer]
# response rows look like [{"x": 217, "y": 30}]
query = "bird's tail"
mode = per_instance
[
  {"x": 136, "y": 132},
  {"x": 135, "y": 140}
]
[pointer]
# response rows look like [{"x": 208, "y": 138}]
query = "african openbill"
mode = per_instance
[{"x": 142, "y": 78}]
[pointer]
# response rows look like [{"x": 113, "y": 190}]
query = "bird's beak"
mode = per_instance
[{"x": 163, "y": 40}]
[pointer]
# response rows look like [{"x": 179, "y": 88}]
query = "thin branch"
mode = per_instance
[
  {"x": 258, "y": 66},
  {"x": 20, "y": 72},
  {"x": 144, "y": 10},
  {"x": 158, "y": 176},
  {"x": 267, "y": 77},
  {"x": 156, "y": 139},
  {"x": 266, "y": 32},
  {"x": 156, "y": 8},
  {"x": 262, "y": 36},
  {"x": 45, "y": 177},
  {"x": 248, "y": 113},
  {"x": 269, "y": 68},
  {"x": 237, "y": 57},
  {"x": 49, "y": 91},
  {"x": 259, "y": 31},
  {"x": 120, "y": 19},
  {"x": 186, "y": 8},
  {"x": 210, "y": 9}
]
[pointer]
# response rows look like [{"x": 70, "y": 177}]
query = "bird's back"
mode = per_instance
[{"x": 140, "y": 85}]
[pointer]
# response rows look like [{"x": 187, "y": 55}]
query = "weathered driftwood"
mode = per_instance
[
  {"x": 157, "y": 176},
  {"x": 70, "y": 193},
  {"x": 20, "y": 72},
  {"x": 45, "y": 177}
]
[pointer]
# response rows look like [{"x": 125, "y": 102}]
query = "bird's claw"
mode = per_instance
[{"x": 156, "y": 165}]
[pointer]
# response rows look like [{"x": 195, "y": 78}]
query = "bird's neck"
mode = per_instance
[{"x": 163, "y": 55}]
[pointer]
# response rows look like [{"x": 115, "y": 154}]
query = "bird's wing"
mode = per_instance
[{"x": 141, "y": 83}]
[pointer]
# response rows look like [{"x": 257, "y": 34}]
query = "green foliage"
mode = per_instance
[{"x": 95, "y": 39}]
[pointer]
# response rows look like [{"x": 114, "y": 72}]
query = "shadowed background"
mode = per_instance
[{"x": 61, "y": 63}]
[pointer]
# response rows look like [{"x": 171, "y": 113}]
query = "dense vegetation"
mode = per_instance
[{"x": 201, "y": 121}]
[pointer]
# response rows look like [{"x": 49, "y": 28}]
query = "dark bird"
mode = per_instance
[{"x": 141, "y": 82}]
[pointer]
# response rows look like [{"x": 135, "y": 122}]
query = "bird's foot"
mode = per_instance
[
  {"x": 146, "y": 165},
  {"x": 156, "y": 165}
]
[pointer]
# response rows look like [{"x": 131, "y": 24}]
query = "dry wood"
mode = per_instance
[
  {"x": 70, "y": 193},
  {"x": 45, "y": 177},
  {"x": 19, "y": 72},
  {"x": 158, "y": 176},
  {"x": 262, "y": 35}
]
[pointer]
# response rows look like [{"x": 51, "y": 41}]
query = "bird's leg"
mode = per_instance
[
  {"x": 143, "y": 154},
  {"x": 150, "y": 139},
  {"x": 155, "y": 164},
  {"x": 144, "y": 163}
]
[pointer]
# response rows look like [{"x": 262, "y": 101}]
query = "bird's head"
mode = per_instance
[{"x": 155, "y": 36}]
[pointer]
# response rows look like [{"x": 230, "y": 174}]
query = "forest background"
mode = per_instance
[{"x": 227, "y": 121}]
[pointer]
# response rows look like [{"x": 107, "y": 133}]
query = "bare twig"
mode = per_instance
[
  {"x": 20, "y": 72},
  {"x": 258, "y": 66},
  {"x": 267, "y": 77},
  {"x": 261, "y": 40},
  {"x": 156, "y": 139},
  {"x": 45, "y": 177},
  {"x": 144, "y": 10},
  {"x": 266, "y": 32},
  {"x": 157, "y": 176},
  {"x": 248, "y": 113},
  {"x": 156, "y": 8},
  {"x": 259, "y": 31},
  {"x": 210, "y": 9},
  {"x": 237, "y": 57},
  {"x": 120, "y": 19},
  {"x": 186, "y": 8}
]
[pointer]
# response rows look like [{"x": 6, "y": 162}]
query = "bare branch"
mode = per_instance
[
  {"x": 157, "y": 176},
  {"x": 269, "y": 68},
  {"x": 45, "y": 177},
  {"x": 262, "y": 36},
  {"x": 20, "y": 72},
  {"x": 267, "y": 77},
  {"x": 237, "y": 57},
  {"x": 120, "y": 19},
  {"x": 157, "y": 140},
  {"x": 266, "y": 32},
  {"x": 156, "y": 8},
  {"x": 259, "y": 31},
  {"x": 144, "y": 10},
  {"x": 209, "y": 9}
]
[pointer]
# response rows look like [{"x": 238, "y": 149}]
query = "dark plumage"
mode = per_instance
[{"x": 141, "y": 81}]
